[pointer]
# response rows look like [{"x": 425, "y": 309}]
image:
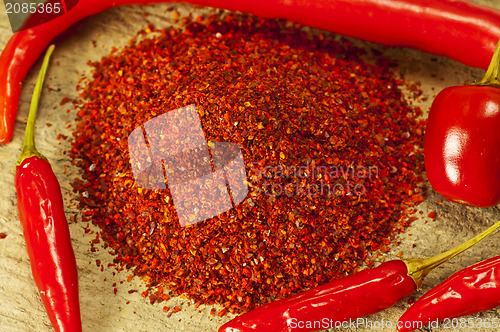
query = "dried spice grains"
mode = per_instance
[{"x": 331, "y": 148}]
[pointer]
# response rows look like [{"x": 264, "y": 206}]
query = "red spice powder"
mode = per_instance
[{"x": 307, "y": 112}]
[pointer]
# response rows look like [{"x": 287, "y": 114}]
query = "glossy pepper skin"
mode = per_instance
[
  {"x": 455, "y": 28},
  {"x": 462, "y": 144},
  {"x": 48, "y": 242},
  {"x": 462, "y": 140},
  {"x": 469, "y": 291},
  {"x": 359, "y": 295},
  {"x": 347, "y": 299},
  {"x": 45, "y": 228}
]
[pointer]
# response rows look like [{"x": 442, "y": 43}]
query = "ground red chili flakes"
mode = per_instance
[
  {"x": 300, "y": 107},
  {"x": 222, "y": 313}
]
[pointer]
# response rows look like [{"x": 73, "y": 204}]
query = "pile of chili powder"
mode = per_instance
[{"x": 291, "y": 100}]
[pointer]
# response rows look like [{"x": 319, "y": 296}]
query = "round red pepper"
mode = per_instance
[{"x": 462, "y": 141}]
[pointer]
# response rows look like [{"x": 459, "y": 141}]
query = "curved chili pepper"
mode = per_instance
[
  {"x": 455, "y": 28},
  {"x": 462, "y": 141},
  {"x": 45, "y": 228},
  {"x": 347, "y": 299},
  {"x": 469, "y": 291}
]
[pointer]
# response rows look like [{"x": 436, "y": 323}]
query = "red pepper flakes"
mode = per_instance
[
  {"x": 222, "y": 313},
  {"x": 153, "y": 298},
  {"x": 65, "y": 100},
  {"x": 432, "y": 215},
  {"x": 412, "y": 219},
  {"x": 288, "y": 99},
  {"x": 3, "y": 236},
  {"x": 418, "y": 198},
  {"x": 177, "y": 309}
]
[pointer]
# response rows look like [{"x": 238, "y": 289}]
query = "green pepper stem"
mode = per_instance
[
  {"x": 418, "y": 269},
  {"x": 29, "y": 149},
  {"x": 492, "y": 76}
]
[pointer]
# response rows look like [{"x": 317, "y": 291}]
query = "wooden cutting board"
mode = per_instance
[{"x": 102, "y": 310}]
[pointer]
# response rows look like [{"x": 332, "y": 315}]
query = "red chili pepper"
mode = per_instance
[
  {"x": 462, "y": 141},
  {"x": 45, "y": 228},
  {"x": 347, "y": 299},
  {"x": 469, "y": 291},
  {"x": 455, "y": 28}
]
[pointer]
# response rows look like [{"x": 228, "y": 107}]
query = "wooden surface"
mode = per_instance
[{"x": 102, "y": 310}]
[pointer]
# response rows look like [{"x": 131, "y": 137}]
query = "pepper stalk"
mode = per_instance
[
  {"x": 29, "y": 148},
  {"x": 492, "y": 75},
  {"x": 418, "y": 269}
]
